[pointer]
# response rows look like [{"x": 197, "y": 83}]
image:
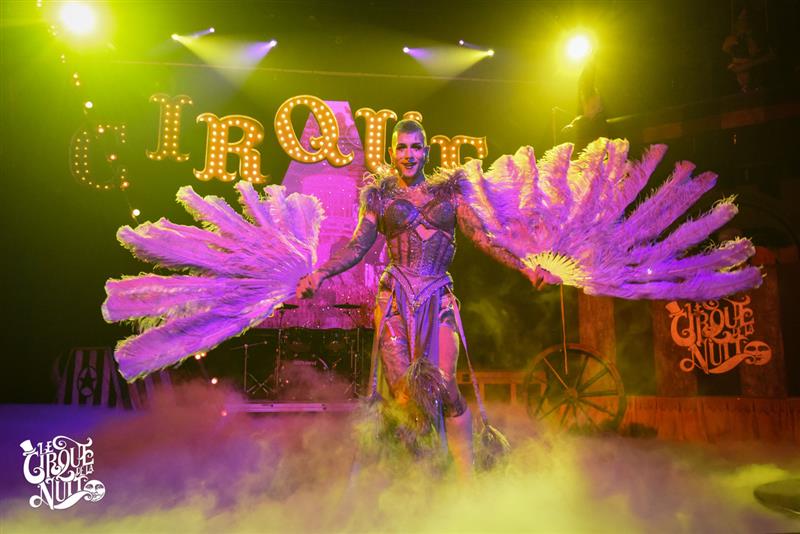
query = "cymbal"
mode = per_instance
[{"x": 346, "y": 306}]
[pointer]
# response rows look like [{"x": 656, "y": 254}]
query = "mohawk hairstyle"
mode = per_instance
[{"x": 408, "y": 126}]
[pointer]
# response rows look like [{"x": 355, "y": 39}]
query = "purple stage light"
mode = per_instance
[
  {"x": 253, "y": 53},
  {"x": 417, "y": 53}
]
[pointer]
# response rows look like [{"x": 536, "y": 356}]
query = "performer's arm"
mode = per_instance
[
  {"x": 471, "y": 227},
  {"x": 344, "y": 258}
]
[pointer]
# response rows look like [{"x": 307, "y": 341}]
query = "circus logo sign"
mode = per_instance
[
  {"x": 60, "y": 469},
  {"x": 717, "y": 334}
]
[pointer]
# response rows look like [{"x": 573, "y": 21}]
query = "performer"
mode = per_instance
[
  {"x": 416, "y": 315},
  {"x": 558, "y": 220}
]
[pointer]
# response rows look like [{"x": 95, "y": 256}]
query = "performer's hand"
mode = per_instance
[
  {"x": 309, "y": 285},
  {"x": 540, "y": 277}
]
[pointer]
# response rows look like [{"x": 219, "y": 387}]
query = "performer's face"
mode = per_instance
[{"x": 409, "y": 154}]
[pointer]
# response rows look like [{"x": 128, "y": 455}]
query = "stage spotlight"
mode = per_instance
[
  {"x": 406, "y": 50},
  {"x": 214, "y": 380},
  {"x": 79, "y": 19},
  {"x": 490, "y": 52},
  {"x": 273, "y": 43},
  {"x": 579, "y": 47},
  {"x": 202, "y": 33},
  {"x": 88, "y": 104},
  {"x": 136, "y": 212},
  {"x": 461, "y": 42},
  {"x": 175, "y": 36}
]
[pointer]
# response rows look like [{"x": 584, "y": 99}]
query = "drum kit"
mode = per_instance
[{"x": 310, "y": 364}]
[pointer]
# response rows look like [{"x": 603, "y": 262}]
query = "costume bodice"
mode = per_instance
[{"x": 420, "y": 231}]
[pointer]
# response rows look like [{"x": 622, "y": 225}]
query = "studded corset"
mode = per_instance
[{"x": 420, "y": 232}]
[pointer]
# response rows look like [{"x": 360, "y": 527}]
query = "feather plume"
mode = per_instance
[
  {"x": 567, "y": 217},
  {"x": 240, "y": 271},
  {"x": 491, "y": 448},
  {"x": 426, "y": 386}
]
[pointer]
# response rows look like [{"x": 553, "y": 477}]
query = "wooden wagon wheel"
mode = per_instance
[{"x": 582, "y": 392}]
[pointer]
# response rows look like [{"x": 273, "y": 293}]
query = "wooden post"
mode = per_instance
[{"x": 596, "y": 324}]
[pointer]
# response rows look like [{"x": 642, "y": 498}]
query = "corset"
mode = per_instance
[{"x": 420, "y": 239}]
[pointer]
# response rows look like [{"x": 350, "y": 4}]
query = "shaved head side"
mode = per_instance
[{"x": 408, "y": 126}]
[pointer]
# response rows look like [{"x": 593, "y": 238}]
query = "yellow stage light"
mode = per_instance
[
  {"x": 579, "y": 47},
  {"x": 78, "y": 18}
]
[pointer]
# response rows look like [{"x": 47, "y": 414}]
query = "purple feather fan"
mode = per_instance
[
  {"x": 567, "y": 217},
  {"x": 239, "y": 271}
]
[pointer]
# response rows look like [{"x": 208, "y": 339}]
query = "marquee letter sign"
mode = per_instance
[
  {"x": 105, "y": 141},
  {"x": 326, "y": 144},
  {"x": 375, "y": 136},
  {"x": 322, "y": 147},
  {"x": 169, "y": 127},
  {"x": 218, "y": 147},
  {"x": 451, "y": 148}
]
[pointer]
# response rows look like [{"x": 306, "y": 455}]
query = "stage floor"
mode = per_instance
[{"x": 193, "y": 463}]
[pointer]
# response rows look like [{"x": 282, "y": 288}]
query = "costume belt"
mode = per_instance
[{"x": 418, "y": 288}]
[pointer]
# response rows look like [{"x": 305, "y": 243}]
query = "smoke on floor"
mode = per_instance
[{"x": 188, "y": 465}]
